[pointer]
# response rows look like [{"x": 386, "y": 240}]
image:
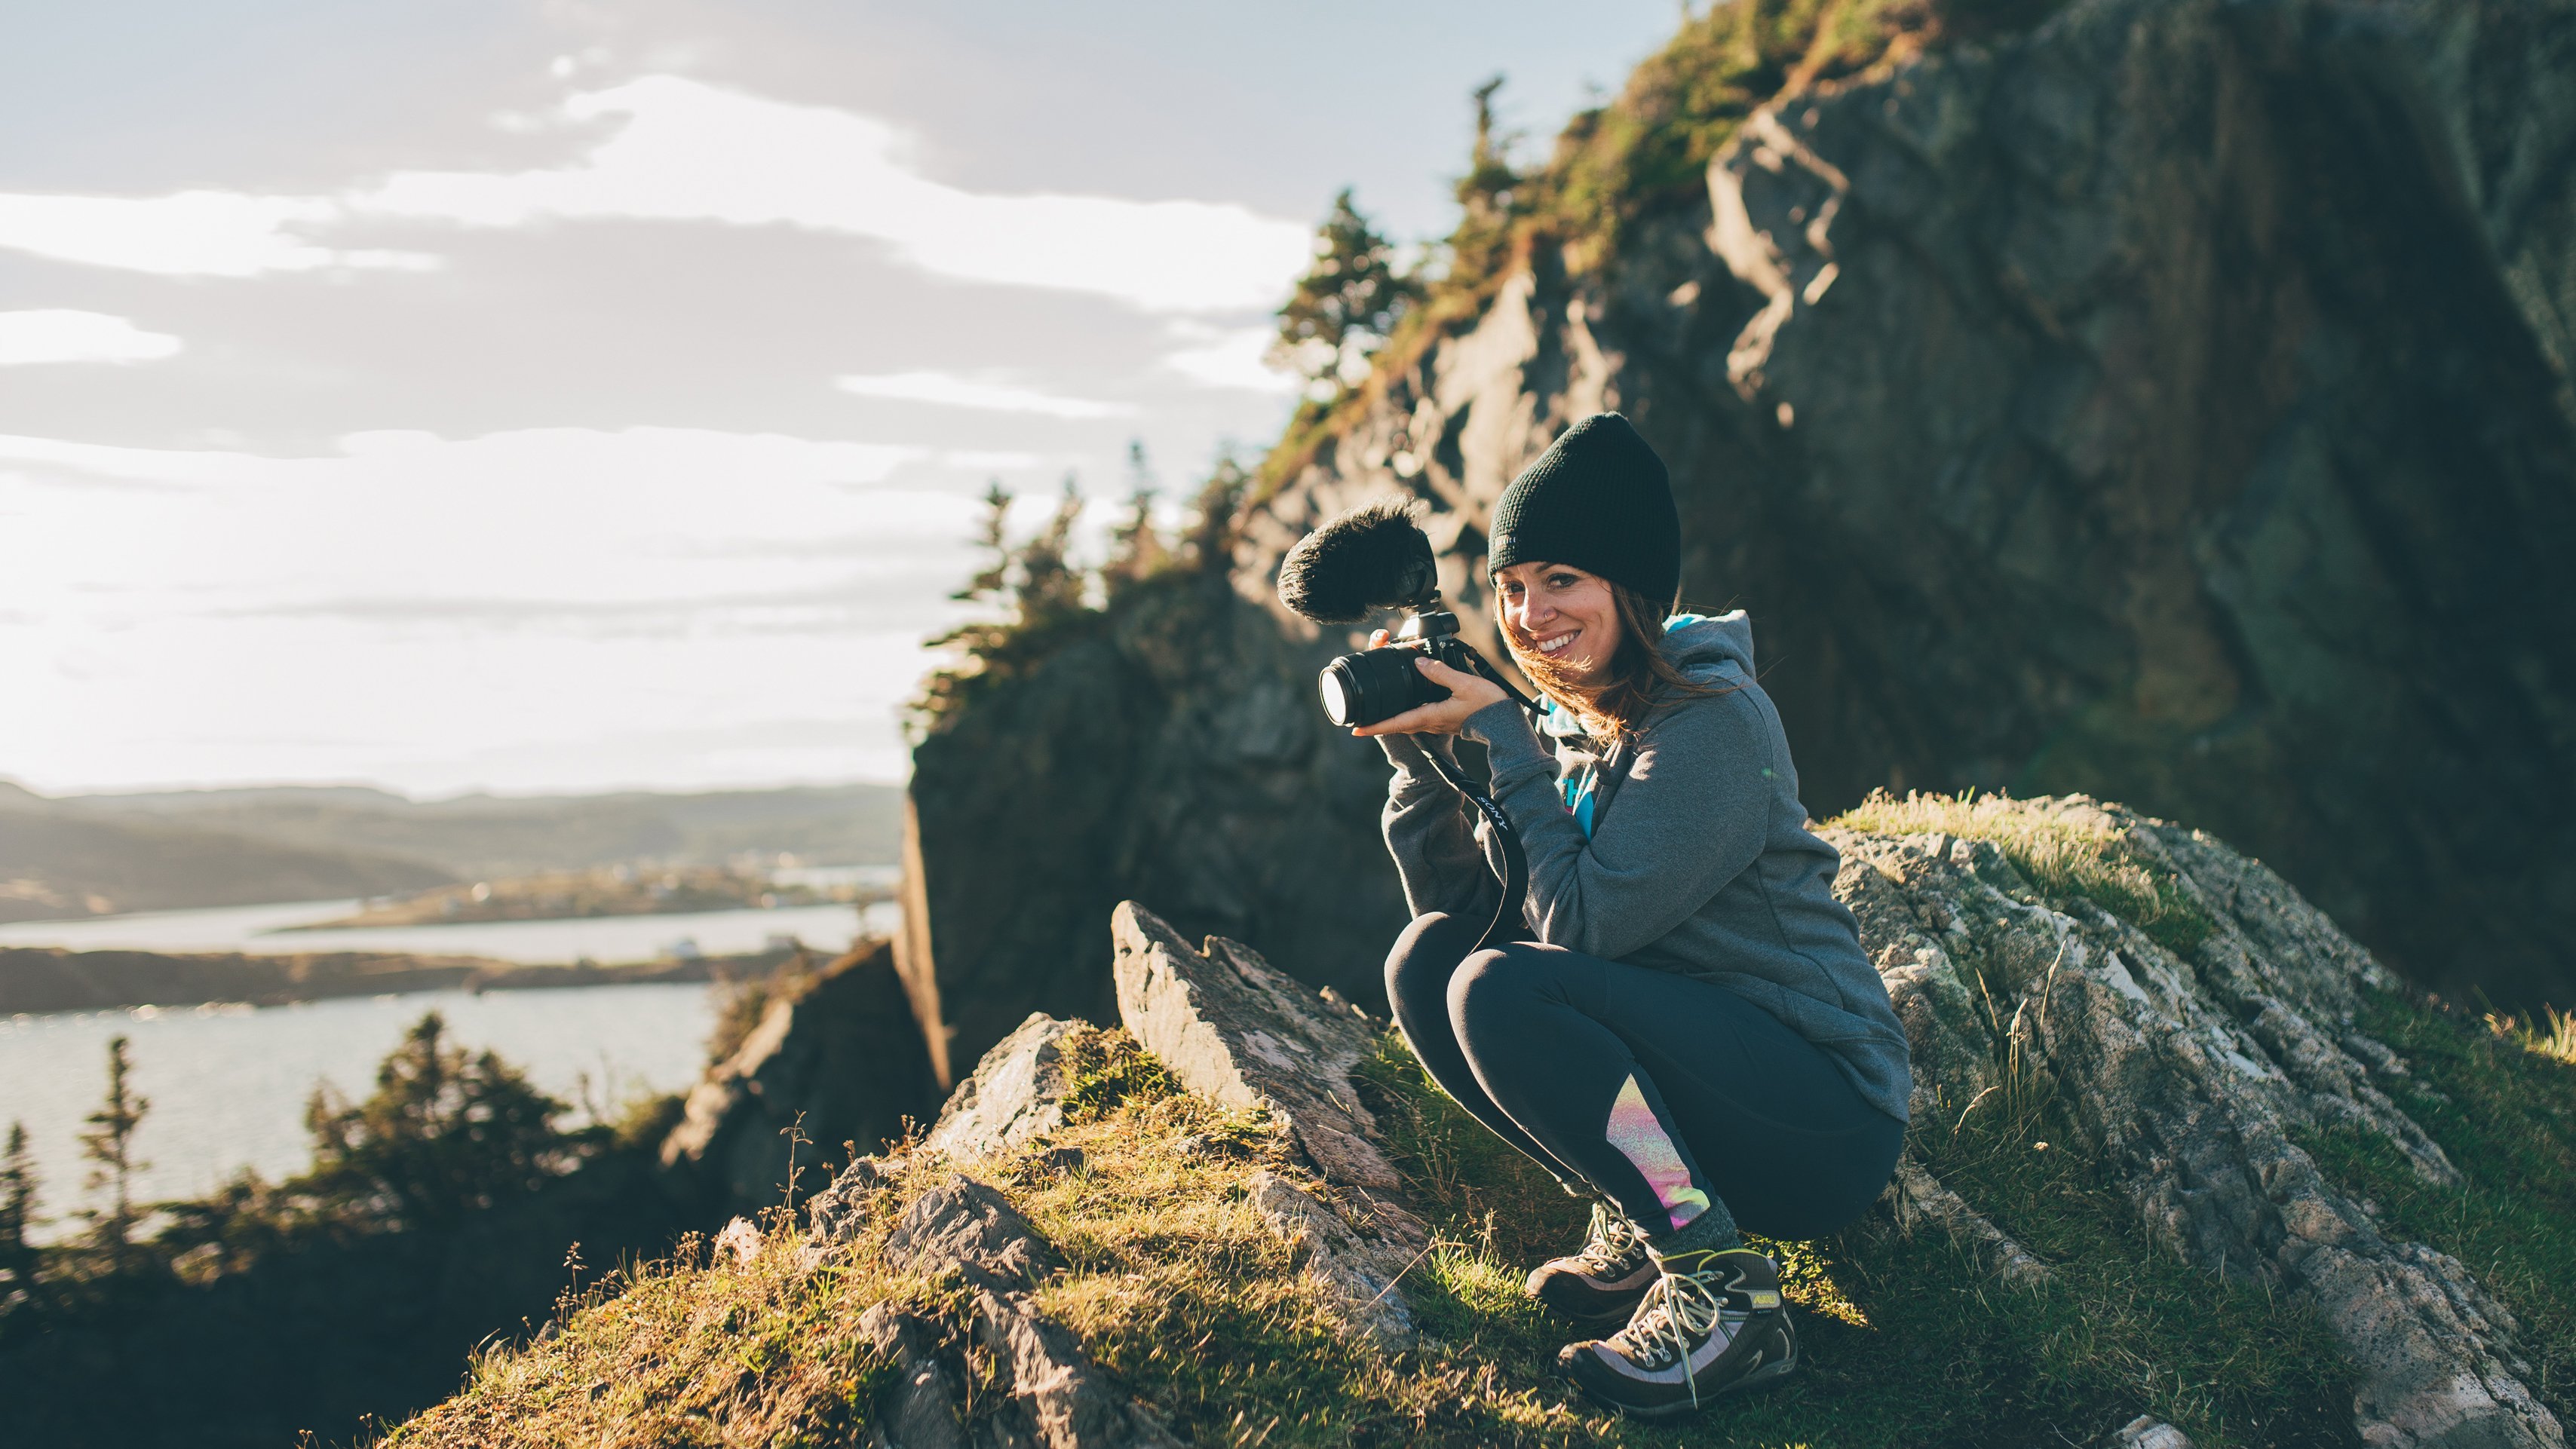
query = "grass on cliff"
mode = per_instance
[
  {"x": 1643, "y": 154},
  {"x": 1907, "y": 1339},
  {"x": 2500, "y": 1097},
  {"x": 1174, "y": 1285},
  {"x": 2064, "y": 859}
]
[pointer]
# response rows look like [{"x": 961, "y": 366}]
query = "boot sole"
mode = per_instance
[
  {"x": 1761, "y": 1378},
  {"x": 1604, "y": 1318},
  {"x": 1611, "y": 1313}
]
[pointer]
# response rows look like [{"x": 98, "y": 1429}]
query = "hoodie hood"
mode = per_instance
[{"x": 1698, "y": 644}]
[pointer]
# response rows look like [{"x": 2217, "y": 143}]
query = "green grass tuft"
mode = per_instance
[
  {"x": 1111, "y": 1067},
  {"x": 2501, "y": 1100},
  {"x": 2062, "y": 859}
]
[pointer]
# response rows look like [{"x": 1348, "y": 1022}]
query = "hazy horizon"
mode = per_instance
[
  {"x": 252, "y": 786},
  {"x": 535, "y": 399}
]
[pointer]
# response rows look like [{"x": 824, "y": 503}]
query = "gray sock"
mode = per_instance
[{"x": 1714, "y": 1228}]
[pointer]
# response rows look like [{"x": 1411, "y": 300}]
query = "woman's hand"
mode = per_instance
[{"x": 1468, "y": 693}]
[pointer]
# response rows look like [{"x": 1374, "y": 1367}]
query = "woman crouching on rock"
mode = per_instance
[{"x": 1693, "y": 1034}]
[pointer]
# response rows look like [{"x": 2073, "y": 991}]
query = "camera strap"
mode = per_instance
[
  {"x": 1507, "y": 915},
  {"x": 1536, "y": 707}
]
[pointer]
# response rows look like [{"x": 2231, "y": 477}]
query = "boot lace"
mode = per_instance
[
  {"x": 1612, "y": 1241},
  {"x": 1678, "y": 1309}
]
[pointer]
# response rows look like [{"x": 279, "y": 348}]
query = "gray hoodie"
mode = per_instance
[{"x": 1697, "y": 858}]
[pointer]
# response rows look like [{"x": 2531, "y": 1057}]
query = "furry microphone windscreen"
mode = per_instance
[{"x": 1373, "y": 557}]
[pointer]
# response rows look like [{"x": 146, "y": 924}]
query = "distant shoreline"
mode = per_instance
[{"x": 46, "y": 980}]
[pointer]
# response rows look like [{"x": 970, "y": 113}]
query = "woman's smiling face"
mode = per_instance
[{"x": 1561, "y": 614}]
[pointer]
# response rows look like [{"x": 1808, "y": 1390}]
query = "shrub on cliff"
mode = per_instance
[{"x": 1037, "y": 598}]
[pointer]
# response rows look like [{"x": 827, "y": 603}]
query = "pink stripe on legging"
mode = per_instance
[{"x": 1641, "y": 1139}]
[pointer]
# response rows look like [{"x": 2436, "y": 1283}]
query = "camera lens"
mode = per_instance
[
  {"x": 1336, "y": 692},
  {"x": 1374, "y": 684}
]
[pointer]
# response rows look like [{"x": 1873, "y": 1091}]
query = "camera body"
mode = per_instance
[
  {"x": 1376, "y": 556},
  {"x": 1377, "y": 684},
  {"x": 1372, "y": 557}
]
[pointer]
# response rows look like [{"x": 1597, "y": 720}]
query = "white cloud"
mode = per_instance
[
  {"x": 950, "y": 390},
  {"x": 568, "y": 519},
  {"x": 683, "y": 150},
  {"x": 1228, "y": 357},
  {"x": 186, "y": 234},
  {"x": 689, "y": 151},
  {"x": 59, "y": 334},
  {"x": 406, "y": 599}
]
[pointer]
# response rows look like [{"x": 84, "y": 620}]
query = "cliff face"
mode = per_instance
[
  {"x": 831, "y": 1072},
  {"x": 1179, "y": 750},
  {"x": 2170, "y": 403}
]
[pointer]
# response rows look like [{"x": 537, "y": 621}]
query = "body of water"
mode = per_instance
[
  {"x": 228, "y": 1084},
  {"x": 609, "y": 940}
]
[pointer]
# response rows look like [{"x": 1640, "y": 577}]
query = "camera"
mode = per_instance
[
  {"x": 1376, "y": 684},
  {"x": 1376, "y": 556}
]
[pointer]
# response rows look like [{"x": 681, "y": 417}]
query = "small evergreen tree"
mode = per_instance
[
  {"x": 1051, "y": 588},
  {"x": 445, "y": 1132},
  {"x": 1490, "y": 196},
  {"x": 108, "y": 1146},
  {"x": 1345, "y": 306},
  {"x": 989, "y": 581},
  {"x": 18, "y": 1257},
  {"x": 1212, "y": 529},
  {"x": 1136, "y": 549}
]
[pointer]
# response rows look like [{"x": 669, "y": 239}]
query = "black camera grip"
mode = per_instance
[{"x": 1507, "y": 915}]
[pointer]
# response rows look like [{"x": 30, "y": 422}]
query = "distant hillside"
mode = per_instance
[
  {"x": 484, "y": 835},
  {"x": 87, "y": 854},
  {"x": 56, "y": 863}
]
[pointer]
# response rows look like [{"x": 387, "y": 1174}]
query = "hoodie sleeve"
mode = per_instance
[
  {"x": 1693, "y": 813},
  {"x": 1427, "y": 831}
]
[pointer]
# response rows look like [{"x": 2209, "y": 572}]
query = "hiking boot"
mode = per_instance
[
  {"x": 1712, "y": 1324},
  {"x": 1600, "y": 1283}
]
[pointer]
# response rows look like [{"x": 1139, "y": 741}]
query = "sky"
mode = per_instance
[{"x": 460, "y": 395}]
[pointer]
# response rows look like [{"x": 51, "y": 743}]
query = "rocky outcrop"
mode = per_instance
[
  {"x": 841, "y": 1064},
  {"x": 1241, "y": 1033},
  {"x": 2170, "y": 404},
  {"x": 1051, "y": 1394},
  {"x": 2195, "y": 1077},
  {"x": 2195, "y": 1038},
  {"x": 1015, "y": 1096},
  {"x": 1228, "y": 1027}
]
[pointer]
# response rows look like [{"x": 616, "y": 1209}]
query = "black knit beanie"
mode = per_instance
[{"x": 1600, "y": 500}]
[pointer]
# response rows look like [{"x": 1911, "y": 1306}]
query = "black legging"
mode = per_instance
[{"x": 1678, "y": 1099}]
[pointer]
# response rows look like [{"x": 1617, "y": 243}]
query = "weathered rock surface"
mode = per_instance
[
  {"x": 844, "y": 1063},
  {"x": 2145, "y": 1433},
  {"x": 2195, "y": 1079},
  {"x": 2169, "y": 404},
  {"x": 1234, "y": 1029},
  {"x": 1915, "y": 1197},
  {"x": 1053, "y": 1395},
  {"x": 1015, "y": 1096},
  {"x": 963, "y": 1230}
]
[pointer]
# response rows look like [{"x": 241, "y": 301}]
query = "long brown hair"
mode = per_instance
[{"x": 1640, "y": 675}]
